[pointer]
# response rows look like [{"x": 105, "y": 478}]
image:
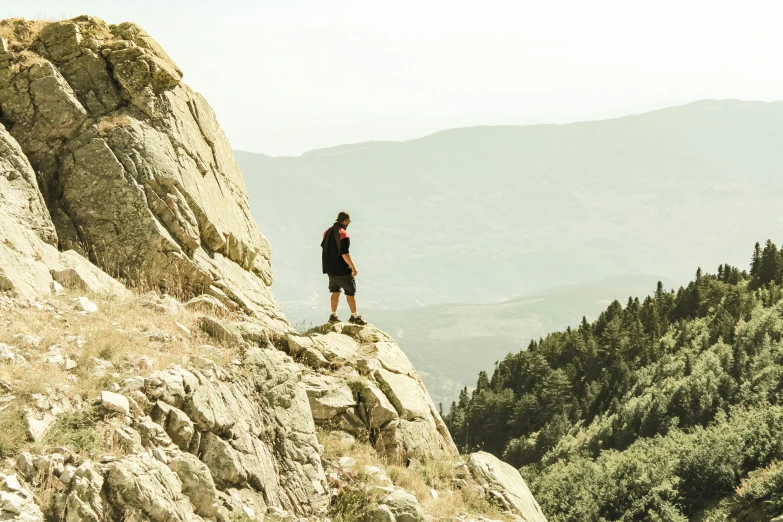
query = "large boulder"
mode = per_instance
[
  {"x": 404, "y": 507},
  {"x": 139, "y": 176},
  {"x": 29, "y": 258},
  {"x": 141, "y": 488},
  {"x": 505, "y": 483}
]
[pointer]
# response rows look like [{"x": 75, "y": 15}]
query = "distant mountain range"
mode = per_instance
[{"x": 482, "y": 214}]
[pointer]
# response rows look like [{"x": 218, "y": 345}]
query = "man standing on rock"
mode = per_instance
[{"x": 337, "y": 264}]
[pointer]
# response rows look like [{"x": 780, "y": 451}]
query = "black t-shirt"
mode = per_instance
[{"x": 332, "y": 261}]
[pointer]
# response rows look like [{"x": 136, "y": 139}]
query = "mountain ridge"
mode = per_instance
[
  {"x": 349, "y": 147},
  {"x": 525, "y": 208}
]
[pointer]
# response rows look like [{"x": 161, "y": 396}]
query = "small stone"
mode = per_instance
[
  {"x": 67, "y": 474},
  {"x": 115, "y": 387},
  {"x": 160, "y": 455},
  {"x": 57, "y": 288},
  {"x": 380, "y": 514},
  {"x": 108, "y": 458},
  {"x": 381, "y": 491},
  {"x": 434, "y": 494},
  {"x": 70, "y": 364},
  {"x": 38, "y": 423},
  {"x": 145, "y": 362},
  {"x": 8, "y": 355},
  {"x": 347, "y": 463},
  {"x": 115, "y": 402},
  {"x": 12, "y": 483},
  {"x": 102, "y": 367},
  {"x": 54, "y": 357},
  {"x": 11, "y": 503},
  {"x": 83, "y": 304},
  {"x": 183, "y": 328},
  {"x": 41, "y": 401},
  {"x": 377, "y": 476},
  {"x": 6, "y": 401},
  {"x": 202, "y": 363},
  {"x": 24, "y": 463}
]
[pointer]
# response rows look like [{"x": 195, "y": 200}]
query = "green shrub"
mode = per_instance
[
  {"x": 13, "y": 431},
  {"x": 77, "y": 431}
]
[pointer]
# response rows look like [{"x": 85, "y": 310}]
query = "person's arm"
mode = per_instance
[{"x": 348, "y": 260}]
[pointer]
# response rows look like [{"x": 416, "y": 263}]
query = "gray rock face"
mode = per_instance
[
  {"x": 329, "y": 396},
  {"x": 29, "y": 259},
  {"x": 504, "y": 482},
  {"x": 209, "y": 444},
  {"x": 254, "y": 433},
  {"x": 101, "y": 110},
  {"x": 17, "y": 501},
  {"x": 385, "y": 399},
  {"x": 142, "y": 488}
]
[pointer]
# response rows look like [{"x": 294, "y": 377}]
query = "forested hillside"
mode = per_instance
[{"x": 663, "y": 409}]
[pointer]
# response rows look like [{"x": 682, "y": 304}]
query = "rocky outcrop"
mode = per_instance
[
  {"x": 198, "y": 444},
  {"x": 138, "y": 175},
  {"x": 29, "y": 259},
  {"x": 364, "y": 384},
  {"x": 505, "y": 485}
]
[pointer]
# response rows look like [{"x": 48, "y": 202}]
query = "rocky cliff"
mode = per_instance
[
  {"x": 113, "y": 171},
  {"x": 134, "y": 169}
]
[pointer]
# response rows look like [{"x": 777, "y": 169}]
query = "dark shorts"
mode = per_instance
[{"x": 346, "y": 282}]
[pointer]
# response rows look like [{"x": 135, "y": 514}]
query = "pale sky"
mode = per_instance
[{"x": 289, "y": 76}]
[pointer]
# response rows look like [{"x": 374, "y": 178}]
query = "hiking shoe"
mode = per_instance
[
  {"x": 334, "y": 319},
  {"x": 357, "y": 320}
]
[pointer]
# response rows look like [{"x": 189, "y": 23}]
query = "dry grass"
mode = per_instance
[
  {"x": 419, "y": 480},
  {"x": 21, "y": 32},
  {"x": 123, "y": 331},
  {"x": 451, "y": 500},
  {"x": 13, "y": 431}
]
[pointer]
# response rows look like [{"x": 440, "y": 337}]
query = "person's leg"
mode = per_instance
[
  {"x": 334, "y": 288},
  {"x": 350, "y": 294}
]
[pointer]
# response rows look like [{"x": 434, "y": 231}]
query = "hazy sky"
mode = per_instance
[{"x": 286, "y": 77}]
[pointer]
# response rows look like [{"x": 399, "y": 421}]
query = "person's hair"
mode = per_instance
[{"x": 342, "y": 216}]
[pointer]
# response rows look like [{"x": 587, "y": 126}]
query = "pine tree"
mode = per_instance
[
  {"x": 769, "y": 269},
  {"x": 482, "y": 384},
  {"x": 755, "y": 265}
]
